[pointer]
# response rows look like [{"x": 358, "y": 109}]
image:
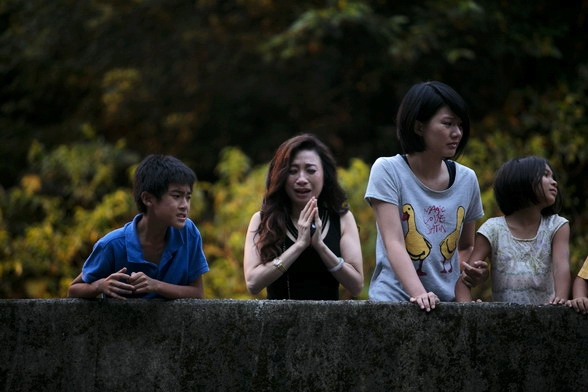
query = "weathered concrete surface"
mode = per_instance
[{"x": 226, "y": 345}]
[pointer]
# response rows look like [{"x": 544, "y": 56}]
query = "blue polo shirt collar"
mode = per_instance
[{"x": 135, "y": 251}]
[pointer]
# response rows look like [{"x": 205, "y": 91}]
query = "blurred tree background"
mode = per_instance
[{"x": 90, "y": 87}]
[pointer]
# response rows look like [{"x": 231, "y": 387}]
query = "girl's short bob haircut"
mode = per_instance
[
  {"x": 421, "y": 103},
  {"x": 518, "y": 185}
]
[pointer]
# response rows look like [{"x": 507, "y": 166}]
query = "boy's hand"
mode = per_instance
[
  {"x": 114, "y": 285},
  {"x": 142, "y": 283}
]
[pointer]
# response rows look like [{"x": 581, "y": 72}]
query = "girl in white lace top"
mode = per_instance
[{"x": 528, "y": 247}]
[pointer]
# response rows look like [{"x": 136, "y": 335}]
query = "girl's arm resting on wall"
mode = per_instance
[
  {"x": 561, "y": 264},
  {"x": 580, "y": 294},
  {"x": 388, "y": 219},
  {"x": 462, "y": 292}
]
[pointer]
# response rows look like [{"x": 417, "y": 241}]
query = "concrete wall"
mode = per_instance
[{"x": 226, "y": 345}]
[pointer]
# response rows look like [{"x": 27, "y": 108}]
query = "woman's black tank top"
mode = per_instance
[{"x": 308, "y": 278}]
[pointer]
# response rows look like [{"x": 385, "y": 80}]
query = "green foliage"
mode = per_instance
[
  {"x": 191, "y": 78},
  {"x": 235, "y": 197},
  {"x": 316, "y": 27},
  {"x": 354, "y": 181},
  {"x": 48, "y": 224},
  {"x": 79, "y": 174}
]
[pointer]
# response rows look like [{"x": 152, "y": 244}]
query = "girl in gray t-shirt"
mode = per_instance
[{"x": 426, "y": 205}]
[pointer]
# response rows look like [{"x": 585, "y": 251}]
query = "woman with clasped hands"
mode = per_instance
[{"x": 304, "y": 242}]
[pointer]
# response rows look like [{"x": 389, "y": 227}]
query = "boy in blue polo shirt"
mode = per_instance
[{"x": 158, "y": 254}]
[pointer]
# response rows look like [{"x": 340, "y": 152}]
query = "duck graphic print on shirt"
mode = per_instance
[
  {"x": 419, "y": 247},
  {"x": 432, "y": 222}
]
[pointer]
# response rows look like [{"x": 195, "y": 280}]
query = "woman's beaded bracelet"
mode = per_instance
[{"x": 338, "y": 266}]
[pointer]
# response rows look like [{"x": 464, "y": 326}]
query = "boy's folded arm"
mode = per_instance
[
  {"x": 81, "y": 289},
  {"x": 173, "y": 291}
]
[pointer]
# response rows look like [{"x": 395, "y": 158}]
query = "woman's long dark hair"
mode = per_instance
[{"x": 275, "y": 209}]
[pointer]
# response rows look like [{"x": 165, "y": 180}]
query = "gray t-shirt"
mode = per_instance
[{"x": 431, "y": 221}]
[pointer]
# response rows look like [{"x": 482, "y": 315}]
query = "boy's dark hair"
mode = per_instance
[
  {"x": 154, "y": 175},
  {"x": 421, "y": 103},
  {"x": 518, "y": 182}
]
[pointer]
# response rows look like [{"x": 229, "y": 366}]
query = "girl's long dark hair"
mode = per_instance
[{"x": 275, "y": 209}]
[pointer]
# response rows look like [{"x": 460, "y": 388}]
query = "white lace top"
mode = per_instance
[{"x": 521, "y": 268}]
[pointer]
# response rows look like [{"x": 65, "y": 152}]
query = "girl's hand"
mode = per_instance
[
  {"x": 558, "y": 301},
  {"x": 579, "y": 304},
  {"x": 475, "y": 273},
  {"x": 426, "y": 301}
]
